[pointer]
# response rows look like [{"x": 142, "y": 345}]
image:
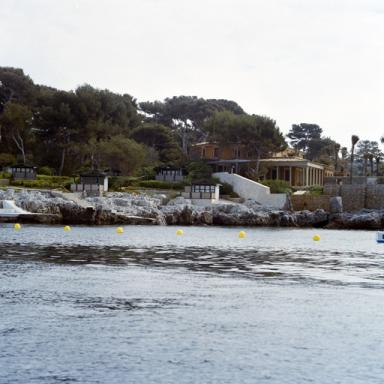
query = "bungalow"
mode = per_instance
[
  {"x": 92, "y": 183},
  {"x": 170, "y": 174},
  {"x": 24, "y": 172}
]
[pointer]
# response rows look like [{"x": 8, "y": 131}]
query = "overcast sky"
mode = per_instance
[{"x": 313, "y": 61}]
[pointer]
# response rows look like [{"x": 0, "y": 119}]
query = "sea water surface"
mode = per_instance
[{"x": 147, "y": 306}]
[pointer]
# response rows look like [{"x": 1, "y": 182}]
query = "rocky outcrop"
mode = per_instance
[
  {"x": 129, "y": 208},
  {"x": 365, "y": 219},
  {"x": 182, "y": 212}
]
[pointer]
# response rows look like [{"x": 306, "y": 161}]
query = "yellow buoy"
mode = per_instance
[
  {"x": 242, "y": 234},
  {"x": 179, "y": 232},
  {"x": 120, "y": 230},
  {"x": 67, "y": 228},
  {"x": 17, "y": 226},
  {"x": 316, "y": 238}
]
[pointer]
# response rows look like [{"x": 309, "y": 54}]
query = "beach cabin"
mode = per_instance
[
  {"x": 24, "y": 172},
  {"x": 202, "y": 192},
  {"x": 93, "y": 183},
  {"x": 172, "y": 175}
]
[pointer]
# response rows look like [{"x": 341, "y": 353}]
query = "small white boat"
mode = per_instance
[
  {"x": 380, "y": 237},
  {"x": 8, "y": 208}
]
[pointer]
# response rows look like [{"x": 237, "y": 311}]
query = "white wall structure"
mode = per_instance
[{"x": 249, "y": 189}]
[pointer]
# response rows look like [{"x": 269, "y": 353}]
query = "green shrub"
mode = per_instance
[
  {"x": 226, "y": 189},
  {"x": 316, "y": 191},
  {"x": 7, "y": 159},
  {"x": 45, "y": 182},
  {"x": 117, "y": 182},
  {"x": 5, "y": 175},
  {"x": 157, "y": 184},
  {"x": 277, "y": 186},
  {"x": 147, "y": 173},
  {"x": 45, "y": 171},
  {"x": 199, "y": 172}
]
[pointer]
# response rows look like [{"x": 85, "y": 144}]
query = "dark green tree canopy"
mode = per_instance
[
  {"x": 259, "y": 134},
  {"x": 302, "y": 134},
  {"x": 16, "y": 86},
  {"x": 186, "y": 114},
  {"x": 160, "y": 138}
]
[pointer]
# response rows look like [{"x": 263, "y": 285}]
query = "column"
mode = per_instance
[
  {"x": 290, "y": 176},
  {"x": 277, "y": 173},
  {"x": 306, "y": 176}
]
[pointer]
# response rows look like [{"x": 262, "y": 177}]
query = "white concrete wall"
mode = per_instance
[{"x": 249, "y": 189}]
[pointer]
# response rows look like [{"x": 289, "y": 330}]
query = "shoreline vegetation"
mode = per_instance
[{"x": 52, "y": 207}]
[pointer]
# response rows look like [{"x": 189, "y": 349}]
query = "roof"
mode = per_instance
[
  {"x": 93, "y": 172},
  {"x": 292, "y": 161},
  {"x": 23, "y": 166},
  {"x": 233, "y": 161},
  {"x": 203, "y": 143}
]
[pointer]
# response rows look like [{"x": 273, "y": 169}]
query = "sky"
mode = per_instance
[{"x": 311, "y": 61}]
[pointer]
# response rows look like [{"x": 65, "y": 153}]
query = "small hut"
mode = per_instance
[
  {"x": 92, "y": 183},
  {"x": 24, "y": 172},
  {"x": 170, "y": 174},
  {"x": 202, "y": 192}
]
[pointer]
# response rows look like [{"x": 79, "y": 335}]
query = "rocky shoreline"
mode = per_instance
[{"x": 51, "y": 207}]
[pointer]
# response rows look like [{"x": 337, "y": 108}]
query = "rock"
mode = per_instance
[
  {"x": 336, "y": 204},
  {"x": 358, "y": 220}
]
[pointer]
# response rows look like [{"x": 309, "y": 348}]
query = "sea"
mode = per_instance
[{"x": 91, "y": 305}]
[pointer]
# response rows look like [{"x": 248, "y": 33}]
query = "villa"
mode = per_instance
[{"x": 288, "y": 165}]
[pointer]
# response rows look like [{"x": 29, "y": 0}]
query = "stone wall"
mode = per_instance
[
  {"x": 310, "y": 203},
  {"x": 249, "y": 189},
  {"x": 356, "y": 197}
]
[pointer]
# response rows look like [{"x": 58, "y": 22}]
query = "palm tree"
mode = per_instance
[
  {"x": 378, "y": 157},
  {"x": 337, "y": 149},
  {"x": 344, "y": 155},
  {"x": 354, "y": 140}
]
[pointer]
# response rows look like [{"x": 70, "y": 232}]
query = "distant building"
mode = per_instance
[
  {"x": 288, "y": 165},
  {"x": 202, "y": 192},
  {"x": 297, "y": 172},
  {"x": 170, "y": 174},
  {"x": 24, "y": 172},
  {"x": 92, "y": 183}
]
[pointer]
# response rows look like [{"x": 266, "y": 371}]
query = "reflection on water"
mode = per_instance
[{"x": 334, "y": 267}]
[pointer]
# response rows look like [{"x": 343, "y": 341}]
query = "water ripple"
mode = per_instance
[{"x": 333, "y": 267}]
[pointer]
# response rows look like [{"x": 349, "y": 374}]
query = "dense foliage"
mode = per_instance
[{"x": 64, "y": 132}]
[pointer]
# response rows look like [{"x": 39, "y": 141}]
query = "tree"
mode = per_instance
[
  {"x": 354, "y": 140},
  {"x": 160, "y": 138},
  {"x": 302, "y": 134},
  {"x": 186, "y": 114},
  {"x": 366, "y": 152},
  {"x": 17, "y": 120},
  {"x": 58, "y": 123},
  {"x": 123, "y": 154},
  {"x": 337, "y": 147},
  {"x": 258, "y": 134}
]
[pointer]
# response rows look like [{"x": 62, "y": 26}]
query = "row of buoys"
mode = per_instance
[{"x": 179, "y": 232}]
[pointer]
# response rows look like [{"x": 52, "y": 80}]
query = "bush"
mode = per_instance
[
  {"x": 277, "y": 186},
  {"x": 45, "y": 171},
  {"x": 316, "y": 191},
  {"x": 199, "y": 172},
  {"x": 157, "y": 184},
  {"x": 7, "y": 159},
  {"x": 45, "y": 182},
  {"x": 147, "y": 173},
  {"x": 117, "y": 182},
  {"x": 5, "y": 175},
  {"x": 227, "y": 189}
]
